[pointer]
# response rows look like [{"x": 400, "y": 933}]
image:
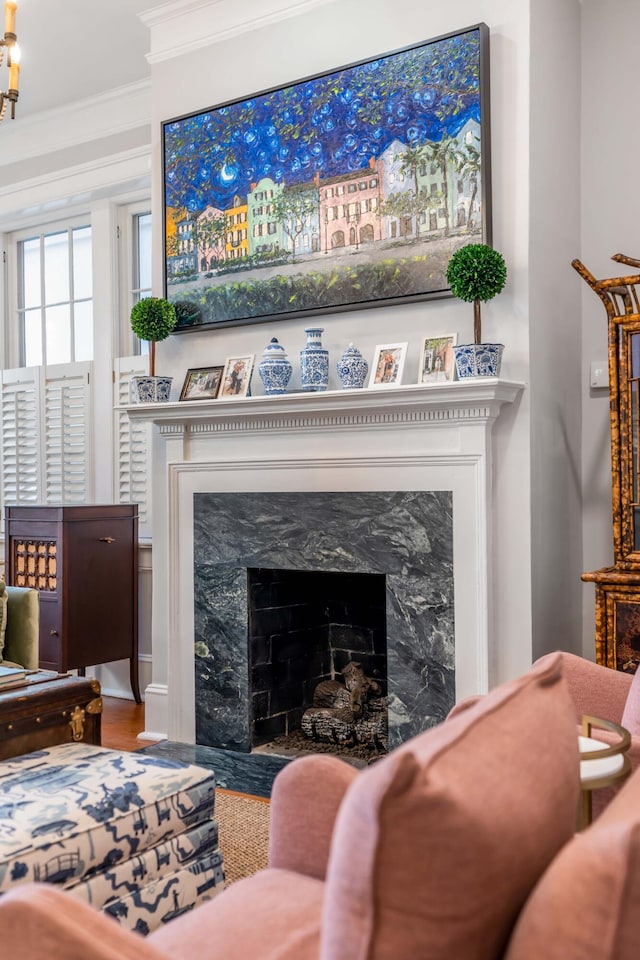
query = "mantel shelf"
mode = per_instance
[{"x": 468, "y": 400}]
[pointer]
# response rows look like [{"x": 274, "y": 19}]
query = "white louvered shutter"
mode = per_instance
[
  {"x": 133, "y": 445},
  {"x": 66, "y": 419},
  {"x": 21, "y": 436}
]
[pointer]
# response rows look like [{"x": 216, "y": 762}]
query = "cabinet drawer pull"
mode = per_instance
[
  {"x": 54, "y": 633},
  {"x": 107, "y": 540}
]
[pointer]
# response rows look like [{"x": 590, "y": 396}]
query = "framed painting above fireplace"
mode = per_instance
[{"x": 344, "y": 190}]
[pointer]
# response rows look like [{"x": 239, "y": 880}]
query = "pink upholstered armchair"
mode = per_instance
[
  {"x": 602, "y": 692},
  {"x": 430, "y": 853}
]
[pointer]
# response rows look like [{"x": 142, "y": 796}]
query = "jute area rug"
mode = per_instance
[{"x": 243, "y": 823}]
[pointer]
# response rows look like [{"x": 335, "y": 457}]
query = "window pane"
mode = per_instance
[
  {"x": 32, "y": 339},
  {"x": 55, "y": 274},
  {"x": 82, "y": 276},
  {"x": 31, "y": 273},
  {"x": 144, "y": 252},
  {"x": 58, "y": 333},
  {"x": 83, "y": 330},
  {"x": 56, "y": 268}
]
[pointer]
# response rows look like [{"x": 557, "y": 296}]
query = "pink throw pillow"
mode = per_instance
[
  {"x": 437, "y": 847},
  {"x": 585, "y": 907}
]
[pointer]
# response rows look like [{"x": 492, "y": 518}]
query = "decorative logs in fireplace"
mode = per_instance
[{"x": 350, "y": 712}]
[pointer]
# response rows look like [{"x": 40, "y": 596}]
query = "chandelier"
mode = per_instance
[{"x": 9, "y": 44}]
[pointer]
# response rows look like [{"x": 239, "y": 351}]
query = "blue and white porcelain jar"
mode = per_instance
[
  {"x": 478, "y": 359},
  {"x": 274, "y": 368},
  {"x": 148, "y": 389},
  {"x": 352, "y": 369},
  {"x": 314, "y": 361}
]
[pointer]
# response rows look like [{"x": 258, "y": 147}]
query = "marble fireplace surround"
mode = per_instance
[
  {"x": 409, "y": 438},
  {"x": 405, "y": 535}
]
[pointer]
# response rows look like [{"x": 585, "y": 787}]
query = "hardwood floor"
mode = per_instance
[{"x": 122, "y": 721}]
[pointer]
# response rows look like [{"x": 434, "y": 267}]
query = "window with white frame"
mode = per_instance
[
  {"x": 55, "y": 298},
  {"x": 131, "y": 458},
  {"x": 134, "y": 232},
  {"x": 48, "y": 405}
]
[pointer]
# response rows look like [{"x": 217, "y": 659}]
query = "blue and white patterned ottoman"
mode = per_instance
[{"x": 132, "y": 834}]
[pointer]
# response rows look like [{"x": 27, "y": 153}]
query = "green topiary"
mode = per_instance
[
  {"x": 153, "y": 319},
  {"x": 476, "y": 272}
]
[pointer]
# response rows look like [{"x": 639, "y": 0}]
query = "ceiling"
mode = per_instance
[{"x": 77, "y": 49}]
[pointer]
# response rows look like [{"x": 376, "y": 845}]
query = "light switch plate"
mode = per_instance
[{"x": 599, "y": 373}]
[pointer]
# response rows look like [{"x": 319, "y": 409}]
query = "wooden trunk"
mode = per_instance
[{"x": 45, "y": 713}]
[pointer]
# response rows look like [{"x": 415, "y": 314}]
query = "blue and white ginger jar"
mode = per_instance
[
  {"x": 314, "y": 361},
  {"x": 274, "y": 368},
  {"x": 352, "y": 369}
]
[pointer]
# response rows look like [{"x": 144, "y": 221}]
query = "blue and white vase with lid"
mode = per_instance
[
  {"x": 352, "y": 369},
  {"x": 274, "y": 368},
  {"x": 314, "y": 361}
]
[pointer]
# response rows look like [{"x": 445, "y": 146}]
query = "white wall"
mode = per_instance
[
  {"x": 555, "y": 325},
  {"x": 610, "y": 147}
]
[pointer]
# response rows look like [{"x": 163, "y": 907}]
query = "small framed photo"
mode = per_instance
[
  {"x": 202, "y": 383},
  {"x": 237, "y": 376},
  {"x": 437, "y": 362},
  {"x": 387, "y": 366}
]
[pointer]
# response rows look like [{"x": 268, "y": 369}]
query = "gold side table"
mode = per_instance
[{"x": 601, "y": 764}]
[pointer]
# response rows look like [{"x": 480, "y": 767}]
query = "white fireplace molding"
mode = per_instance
[{"x": 434, "y": 437}]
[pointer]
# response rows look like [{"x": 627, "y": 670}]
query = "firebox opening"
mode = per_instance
[{"x": 318, "y": 662}]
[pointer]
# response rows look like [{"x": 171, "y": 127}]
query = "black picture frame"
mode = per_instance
[{"x": 341, "y": 191}]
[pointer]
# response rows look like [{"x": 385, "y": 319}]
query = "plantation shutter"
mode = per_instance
[
  {"x": 66, "y": 418},
  {"x": 46, "y": 430},
  {"x": 20, "y": 436},
  {"x": 133, "y": 444}
]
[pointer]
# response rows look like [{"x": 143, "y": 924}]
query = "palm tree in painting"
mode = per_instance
[
  {"x": 410, "y": 162},
  {"x": 443, "y": 153},
  {"x": 468, "y": 164}
]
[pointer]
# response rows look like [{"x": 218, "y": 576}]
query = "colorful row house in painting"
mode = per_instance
[
  {"x": 406, "y": 194},
  {"x": 183, "y": 261},
  {"x": 266, "y": 234},
  {"x": 349, "y": 209},
  {"x": 237, "y": 230},
  {"x": 211, "y": 232}
]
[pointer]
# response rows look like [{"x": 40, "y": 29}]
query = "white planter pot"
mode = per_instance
[
  {"x": 478, "y": 359},
  {"x": 150, "y": 389}
]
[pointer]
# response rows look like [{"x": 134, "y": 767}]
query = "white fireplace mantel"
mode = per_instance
[
  {"x": 469, "y": 400},
  {"x": 409, "y": 437}
]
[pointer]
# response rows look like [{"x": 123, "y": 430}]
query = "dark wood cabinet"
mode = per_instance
[{"x": 83, "y": 560}]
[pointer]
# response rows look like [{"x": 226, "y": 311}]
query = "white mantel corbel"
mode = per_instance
[{"x": 422, "y": 437}]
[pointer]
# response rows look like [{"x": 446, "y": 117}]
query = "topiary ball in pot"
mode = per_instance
[
  {"x": 153, "y": 319},
  {"x": 475, "y": 273}
]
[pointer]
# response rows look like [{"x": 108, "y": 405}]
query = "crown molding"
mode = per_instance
[
  {"x": 182, "y": 26},
  {"x": 94, "y": 118}
]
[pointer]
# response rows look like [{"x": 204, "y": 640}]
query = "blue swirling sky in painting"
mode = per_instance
[{"x": 328, "y": 125}]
